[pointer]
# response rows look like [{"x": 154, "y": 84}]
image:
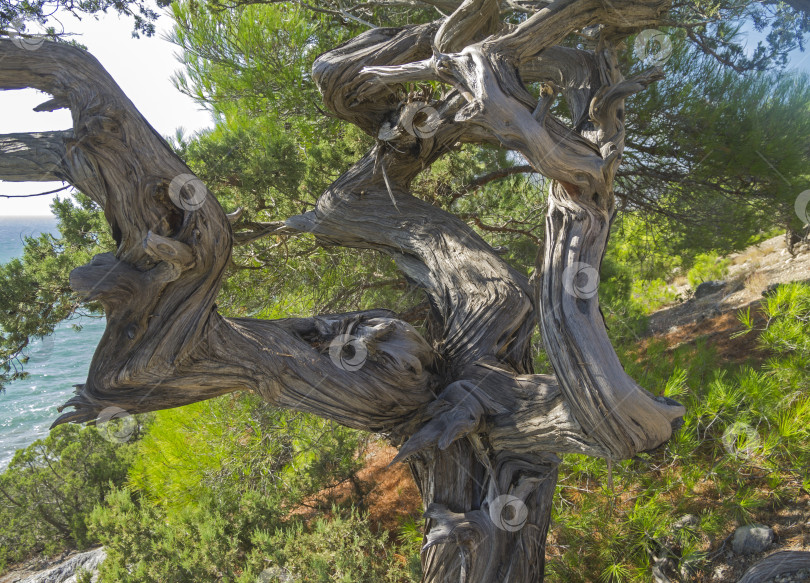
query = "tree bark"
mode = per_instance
[
  {"x": 781, "y": 563},
  {"x": 478, "y": 428}
]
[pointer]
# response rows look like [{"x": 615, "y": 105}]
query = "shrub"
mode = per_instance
[
  {"x": 240, "y": 443},
  {"x": 50, "y": 487},
  {"x": 707, "y": 267},
  {"x": 206, "y": 541},
  {"x": 208, "y": 479},
  {"x": 342, "y": 548},
  {"x": 648, "y": 296}
]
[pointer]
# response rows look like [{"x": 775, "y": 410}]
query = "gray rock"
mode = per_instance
[
  {"x": 752, "y": 539},
  {"x": 721, "y": 572},
  {"x": 708, "y": 288},
  {"x": 770, "y": 290},
  {"x": 65, "y": 572},
  {"x": 689, "y": 521},
  {"x": 276, "y": 575}
]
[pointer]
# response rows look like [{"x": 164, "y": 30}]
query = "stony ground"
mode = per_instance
[
  {"x": 714, "y": 318},
  {"x": 751, "y": 272},
  {"x": 798, "y": 577},
  {"x": 791, "y": 526}
]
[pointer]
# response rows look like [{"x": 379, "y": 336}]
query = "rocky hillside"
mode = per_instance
[
  {"x": 750, "y": 274},
  {"x": 710, "y": 315}
]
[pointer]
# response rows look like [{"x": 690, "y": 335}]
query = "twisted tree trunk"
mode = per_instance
[{"x": 478, "y": 428}]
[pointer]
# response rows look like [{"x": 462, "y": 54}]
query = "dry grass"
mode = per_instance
[
  {"x": 390, "y": 494},
  {"x": 755, "y": 255},
  {"x": 756, "y": 282}
]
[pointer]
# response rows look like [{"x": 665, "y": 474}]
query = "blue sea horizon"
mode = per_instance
[{"x": 57, "y": 362}]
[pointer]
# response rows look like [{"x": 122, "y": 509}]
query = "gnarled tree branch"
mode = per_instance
[{"x": 476, "y": 425}]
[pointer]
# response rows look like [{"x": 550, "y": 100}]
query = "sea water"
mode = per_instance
[{"x": 59, "y": 361}]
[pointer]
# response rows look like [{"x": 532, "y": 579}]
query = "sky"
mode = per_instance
[{"x": 143, "y": 68}]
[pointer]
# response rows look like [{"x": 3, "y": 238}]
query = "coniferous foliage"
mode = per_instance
[
  {"x": 715, "y": 156},
  {"x": 49, "y": 489}
]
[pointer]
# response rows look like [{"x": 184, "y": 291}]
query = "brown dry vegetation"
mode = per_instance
[{"x": 387, "y": 492}]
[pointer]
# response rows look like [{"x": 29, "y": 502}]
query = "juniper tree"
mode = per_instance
[{"x": 480, "y": 430}]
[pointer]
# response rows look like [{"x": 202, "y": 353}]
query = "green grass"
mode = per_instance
[
  {"x": 743, "y": 451},
  {"x": 707, "y": 267},
  {"x": 650, "y": 295}
]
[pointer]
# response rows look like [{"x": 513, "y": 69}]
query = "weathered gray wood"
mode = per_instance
[
  {"x": 624, "y": 418},
  {"x": 35, "y": 156},
  {"x": 781, "y": 563},
  {"x": 477, "y": 427}
]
